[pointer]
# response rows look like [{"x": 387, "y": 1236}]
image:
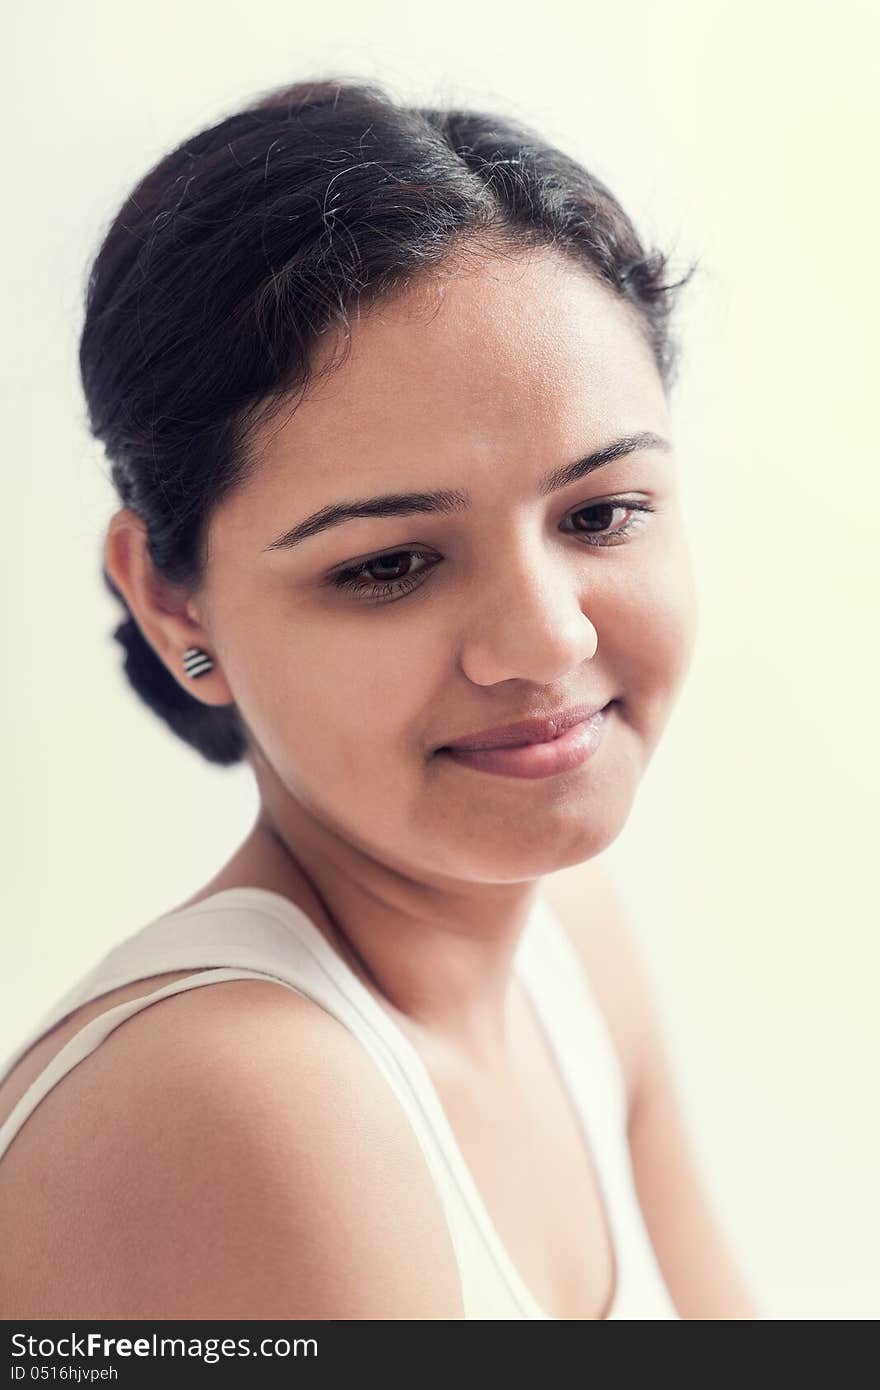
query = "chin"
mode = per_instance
[{"x": 497, "y": 851}]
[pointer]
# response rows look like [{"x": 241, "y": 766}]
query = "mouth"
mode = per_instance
[
  {"x": 563, "y": 751},
  {"x": 527, "y": 731}
]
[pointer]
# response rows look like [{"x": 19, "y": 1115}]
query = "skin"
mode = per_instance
[{"x": 484, "y": 377}]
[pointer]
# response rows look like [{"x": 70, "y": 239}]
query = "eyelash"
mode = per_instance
[{"x": 380, "y": 592}]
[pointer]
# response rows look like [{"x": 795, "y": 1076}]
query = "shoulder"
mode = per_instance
[
  {"x": 595, "y": 919},
  {"x": 231, "y": 1151}
]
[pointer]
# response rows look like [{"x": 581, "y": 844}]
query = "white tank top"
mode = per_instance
[{"x": 253, "y": 933}]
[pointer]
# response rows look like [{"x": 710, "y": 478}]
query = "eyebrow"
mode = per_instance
[{"x": 445, "y": 501}]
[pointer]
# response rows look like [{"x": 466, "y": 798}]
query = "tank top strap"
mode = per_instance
[
  {"x": 569, "y": 1010},
  {"x": 238, "y": 933},
  {"x": 93, "y": 1033},
  {"x": 212, "y": 933},
  {"x": 579, "y": 1034}
]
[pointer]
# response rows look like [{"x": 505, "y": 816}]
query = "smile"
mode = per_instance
[{"x": 569, "y": 750}]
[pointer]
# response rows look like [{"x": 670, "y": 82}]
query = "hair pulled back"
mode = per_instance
[{"x": 208, "y": 293}]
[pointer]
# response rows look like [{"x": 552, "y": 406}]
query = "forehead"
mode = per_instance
[
  {"x": 485, "y": 362},
  {"x": 525, "y": 323}
]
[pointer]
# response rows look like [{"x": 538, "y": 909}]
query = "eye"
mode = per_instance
[
  {"x": 401, "y": 578},
  {"x": 600, "y": 531},
  {"x": 390, "y": 576}
]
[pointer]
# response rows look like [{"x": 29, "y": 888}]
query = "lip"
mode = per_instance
[
  {"x": 526, "y": 731},
  {"x": 545, "y": 758}
]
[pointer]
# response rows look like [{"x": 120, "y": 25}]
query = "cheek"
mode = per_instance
[
  {"x": 355, "y": 699},
  {"x": 663, "y": 635},
  {"x": 648, "y": 632},
  {"x": 348, "y": 737}
]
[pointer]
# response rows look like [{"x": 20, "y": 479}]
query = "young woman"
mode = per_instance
[{"x": 385, "y": 392}]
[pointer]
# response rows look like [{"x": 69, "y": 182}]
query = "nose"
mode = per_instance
[{"x": 526, "y": 620}]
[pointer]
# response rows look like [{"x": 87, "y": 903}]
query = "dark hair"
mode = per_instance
[{"x": 206, "y": 298}]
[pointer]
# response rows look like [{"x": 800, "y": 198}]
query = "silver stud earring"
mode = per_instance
[{"x": 196, "y": 662}]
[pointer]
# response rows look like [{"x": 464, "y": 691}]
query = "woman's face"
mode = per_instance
[{"x": 519, "y": 602}]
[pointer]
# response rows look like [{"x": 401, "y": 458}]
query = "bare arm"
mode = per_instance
[
  {"x": 698, "y": 1268},
  {"x": 232, "y": 1152}
]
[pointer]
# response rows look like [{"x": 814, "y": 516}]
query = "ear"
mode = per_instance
[{"x": 165, "y": 614}]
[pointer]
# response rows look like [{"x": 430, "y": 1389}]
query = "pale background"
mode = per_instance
[{"x": 743, "y": 133}]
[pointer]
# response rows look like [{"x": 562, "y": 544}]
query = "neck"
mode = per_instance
[{"x": 438, "y": 955}]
